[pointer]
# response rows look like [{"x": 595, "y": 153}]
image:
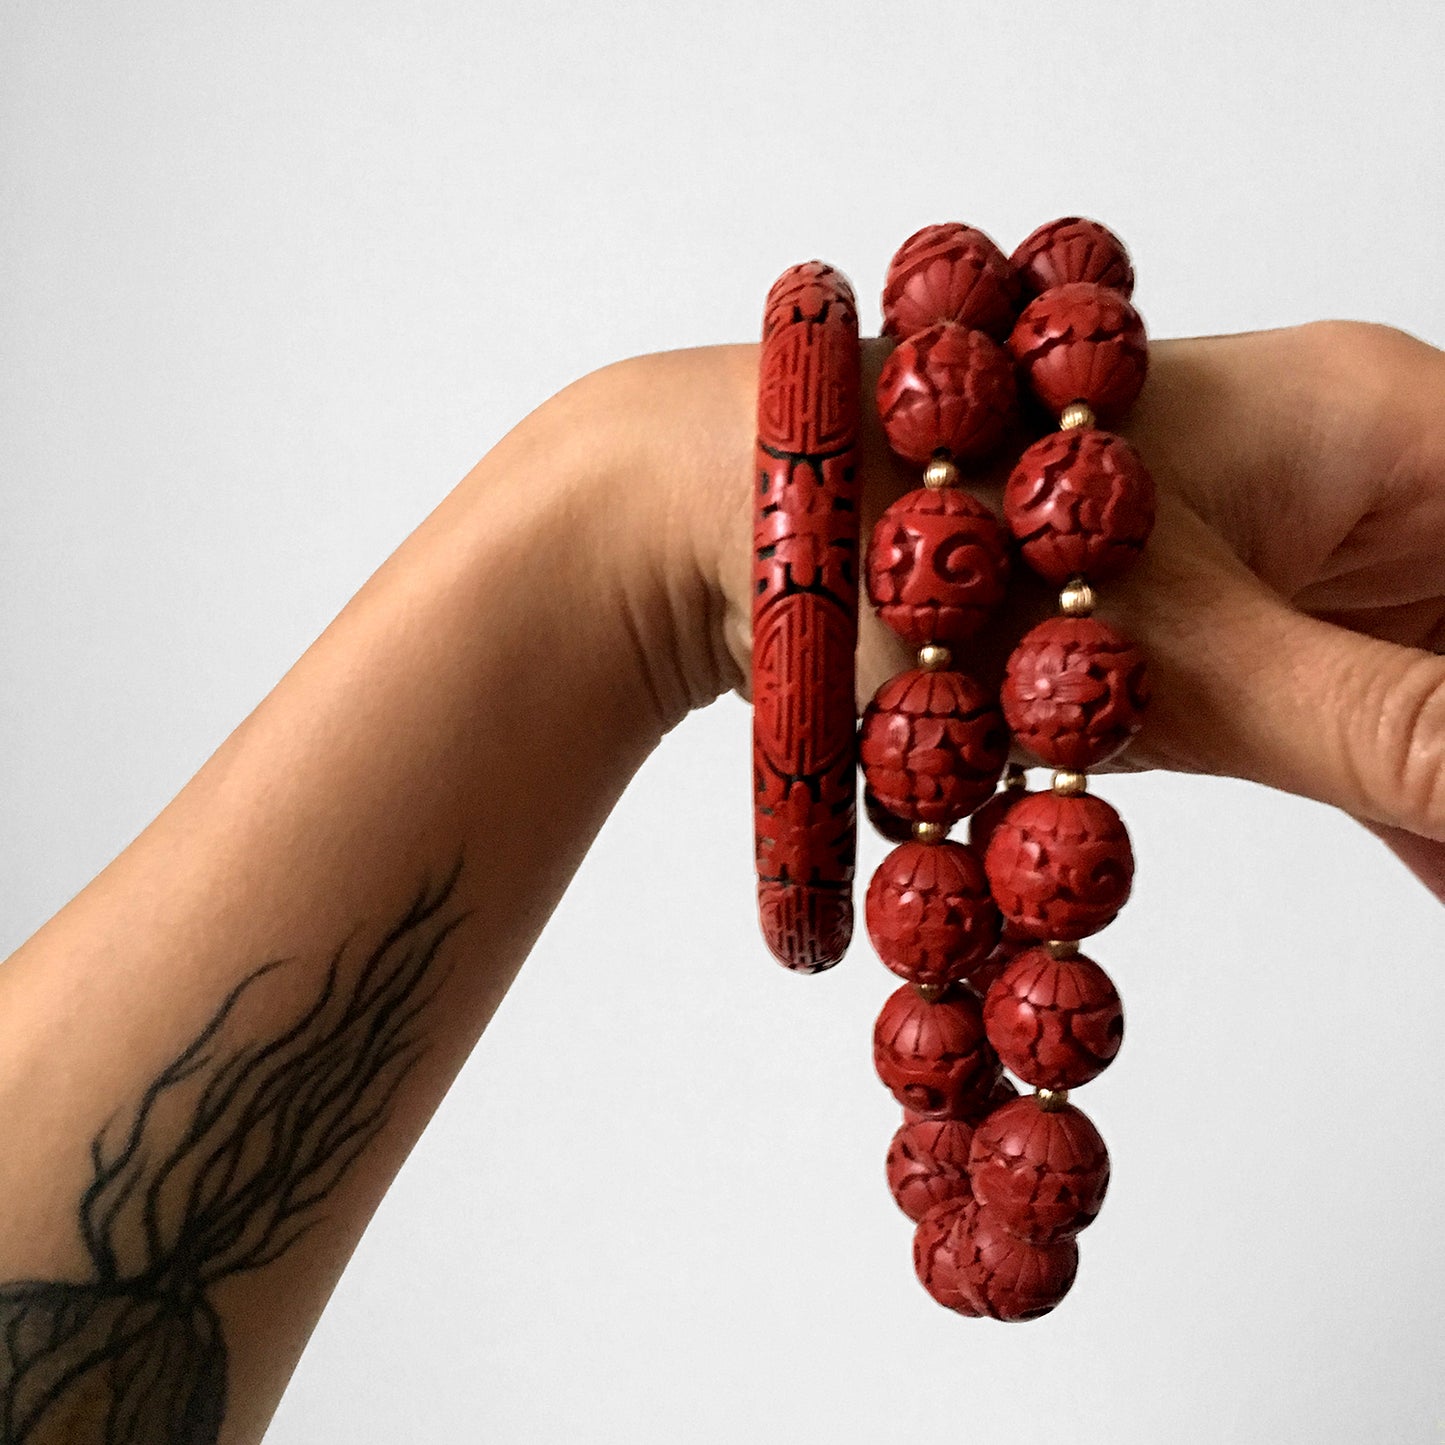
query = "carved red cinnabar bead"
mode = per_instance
[
  {"x": 934, "y": 1057},
  {"x": 1060, "y": 867},
  {"x": 982, "y": 1102},
  {"x": 981, "y": 975},
  {"x": 1075, "y": 692},
  {"x": 1082, "y": 342},
  {"x": 927, "y": 1164},
  {"x": 937, "y": 565},
  {"x": 1073, "y": 248},
  {"x": 887, "y": 825},
  {"x": 950, "y": 272},
  {"x": 1081, "y": 503},
  {"x": 969, "y": 1261},
  {"x": 929, "y": 913},
  {"x": 948, "y": 389},
  {"x": 1042, "y": 1173},
  {"x": 932, "y": 745},
  {"x": 1055, "y": 1022},
  {"x": 936, "y": 1257},
  {"x": 989, "y": 815}
]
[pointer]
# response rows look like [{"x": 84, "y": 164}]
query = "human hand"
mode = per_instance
[{"x": 1291, "y": 601}]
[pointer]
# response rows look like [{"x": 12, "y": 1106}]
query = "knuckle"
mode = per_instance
[
  {"x": 1363, "y": 348},
  {"x": 1372, "y": 389}
]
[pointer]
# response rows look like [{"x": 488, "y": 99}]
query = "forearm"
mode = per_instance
[{"x": 472, "y": 715}]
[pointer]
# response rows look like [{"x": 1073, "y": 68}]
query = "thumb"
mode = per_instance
[
  {"x": 1247, "y": 686},
  {"x": 1424, "y": 857}
]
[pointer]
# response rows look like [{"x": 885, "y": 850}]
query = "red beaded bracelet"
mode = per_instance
[
  {"x": 985, "y": 933},
  {"x": 805, "y": 617}
]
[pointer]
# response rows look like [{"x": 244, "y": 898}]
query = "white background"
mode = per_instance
[{"x": 273, "y": 276}]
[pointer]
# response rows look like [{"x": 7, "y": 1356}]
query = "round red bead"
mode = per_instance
[
  {"x": 888, "y": 825},
  {"x": 1081, "y": 503},
  {"x": 989, "y": 815},
  {"x": 981, "y": 976},
  {"x": 968, "y": 1260},
  {"x": 937, "y": 1257},
  {"x": 928, "y": 1164},
  {"x": 1042, "y": 1172},
  {"x": 1002, "y": 1091},
  {"x": 1082, "y": 342},
  {"x": 993, "y": 1089},
  {"x": 1073, "y": 249},
  {"x": 932, "y": 745},
  {"x": 1075, "y": 692},
  {"x": 947, "y": 389},
  {"x": 933, "y": 1057},
  {"x": 937, "y": 565},
  {"x": 950, "y": 272},
  {"x": 1055, "y": 1022},
  {"x": 1060, "y": 867},
  {"x": 929, "y": 912}
]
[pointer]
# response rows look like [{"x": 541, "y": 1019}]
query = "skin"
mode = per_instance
[{"x": 490, "y": 691}]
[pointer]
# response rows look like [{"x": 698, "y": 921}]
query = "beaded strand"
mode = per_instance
[{"x": 999, "y": 1184}]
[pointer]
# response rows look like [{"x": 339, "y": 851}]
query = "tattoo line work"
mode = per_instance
[{"x": 225, "y": 1164}]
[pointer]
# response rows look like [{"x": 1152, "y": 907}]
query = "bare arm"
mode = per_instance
[{"x": 214, "y": 1059}]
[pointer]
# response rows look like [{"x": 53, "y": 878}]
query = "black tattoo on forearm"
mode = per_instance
[{"x": 225, "y": 1163}]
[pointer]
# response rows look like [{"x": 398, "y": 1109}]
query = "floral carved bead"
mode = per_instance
[
  {"x": 1082, "y": 342},
  {"x": 888, "y": 825},
  {"x": 929, "y": 912},
  {"x": 1081, "y": 503},
  {"x": 932, "y": 745},
  {"x": 981, "y": 1102},
  {"x": 1055, "y": 1022},
  {"x": 1075, "y": 692},
  {"x": 937, "y": 566},
  {"x": 1044, "y": 1173},
  {"x": 946, "y": 389},
  {"x": 937, "y": 1258},
  {"x": 953, "y": 273},
  {"x": 1073, "y": 249},
  {"x": 933, "y": 1057},
  {"x": 1060, "y": 867},
  {"x": 989, "y": 815},
  {"x": 981, "y": 975},
  {"x": 928, "y": 1164},
  {"x": 969, "y": 1261}
]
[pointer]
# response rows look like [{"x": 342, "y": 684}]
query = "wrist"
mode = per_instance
[{"x": 663, "y": 445}]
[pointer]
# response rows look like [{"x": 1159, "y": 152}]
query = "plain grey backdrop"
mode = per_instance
[{"x": 273, "y": 276}]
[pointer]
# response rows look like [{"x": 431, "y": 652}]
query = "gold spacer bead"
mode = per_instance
[
  {"x": 1062, "y": 948},
  {"x": 1077, "y": 416},
  {"x": 1068, "y": 784},
  {"x": 930, "y": 832},
  {"x": 1078, "y": 599},
  {"x": 1014, "y": 778},
  {"x": 1051, "y": 1100},
  {"x": 940, "y": 473},
  {"x": 929, "y": 992},
  {"x": 933, "y": 657}
]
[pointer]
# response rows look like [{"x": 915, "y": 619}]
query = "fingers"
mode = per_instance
[{"x": 1247, "y": 686}]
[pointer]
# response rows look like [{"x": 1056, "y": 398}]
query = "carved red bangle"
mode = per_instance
[
  {"x": 805, "y": 617},
  {"x": 985, "y": 933}
]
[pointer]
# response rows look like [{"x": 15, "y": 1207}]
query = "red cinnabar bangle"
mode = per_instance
[{"x": 805, "y": 617}]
